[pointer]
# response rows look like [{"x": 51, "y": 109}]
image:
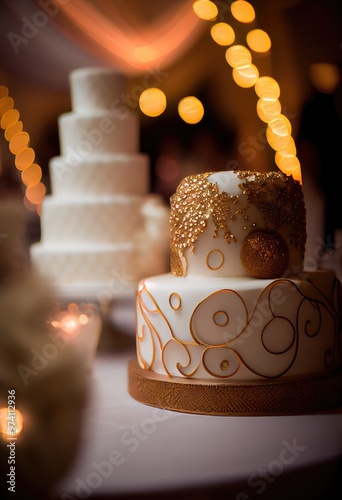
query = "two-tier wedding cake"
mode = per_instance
[
  {"x": 100, "y": 225},
  {"x": 238, "y": 326}
]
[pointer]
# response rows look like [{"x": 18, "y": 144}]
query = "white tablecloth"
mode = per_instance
[{"x": 130, "y": 448}]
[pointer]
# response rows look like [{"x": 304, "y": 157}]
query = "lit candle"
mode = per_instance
[
  {"x": 70, "y": 321},
  {"x": 82, "y": 327}
]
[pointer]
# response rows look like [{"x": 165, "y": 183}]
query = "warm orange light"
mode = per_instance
[
  {"x": 145, "y": 53},
  {"x": 281, "y": 125},
  {"x": 152, "y": 102},
  {"x": 268, "y": 110},
  {"x": 9, "y": 118},
  {"x": 24, "y": 158},
  {"x": 325, "y": 77},
  {"x": 6, "y": 104},
  {"x": 11, "y": 422},
  {"x": 191, "y": 110},
  {"x": 205, "y": 9},
  {"x": 290, "y": 165},
  {"x": 267, "y": 88},
  {"x": 13, "y": 130},
  {"x": 223, "y": 34},
  {"x": 19, "y": 142},
  {"x": 242, "y": 11},
  {"x": 277, "y": 138},
  {"x": 238, "y": 56},
  {"x": 289, "y": 150},
  {"x": 258, "y": 40},
  {"x": 35, "y": 193},
  {"x": 31, "y": 174},
  {"x": 246, "y": 76}
]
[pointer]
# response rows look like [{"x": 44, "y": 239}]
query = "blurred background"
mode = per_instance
[{"x": 163, "y": 44}]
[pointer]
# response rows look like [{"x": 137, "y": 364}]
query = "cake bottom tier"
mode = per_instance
[
  {"x": 111, "y": 268},
  {"x": 282, "y": 397},
  {"x": 234, "y": 330}
]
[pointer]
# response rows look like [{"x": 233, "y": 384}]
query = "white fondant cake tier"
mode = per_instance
[
  {"x": 112, "y": 265},
  {"x": 99, "y": 220},
  {"x": 91, "y": 220},
  {"x": 239, "y": 329},
  {"x": 239, "y": 223},
  {"x": 104, "y": 175},
  {"x": 98, "y": 132},
  {"x": 96, "y": 88}
]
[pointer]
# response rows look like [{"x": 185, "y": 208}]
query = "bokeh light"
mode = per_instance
[
  {"x": 35, "y": 193},
  {"x": 325, "y": 77},
  {"x": 205, "y": 9},
  {"x": 268, "y": 110},
  {"x": 289, "y": 150},
  {"x": 9, "y": 118},
  {"x": 258, "y": 40},
  {"x": 246, "y": 76},
  {"x": 31, "y": 174},
  {"x": 267, "y": 88},
  {"x": 19, "y": 142},
  {"x": 24, "y": 158},
  {"x": 223, "y": 34},
  {"x": 238, "y": 56},
  {"x": 287, "y": 164},
  {"x": 14, "y": 129},
  {"x": 191, "y": 110},
  {"x": 6, "y": 104},
  {"x": 15, "y": 417},
  {"x": 276, "y": 138},
  {"x": 152, "y": 102},
  {"x": 242, "y": 11}
]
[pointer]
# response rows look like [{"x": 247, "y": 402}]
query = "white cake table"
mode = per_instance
[{"x": 132, "y": 449}]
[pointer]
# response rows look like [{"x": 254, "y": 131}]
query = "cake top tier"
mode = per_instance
[
  {"x": 237, "y": 224},
  {"x": 93, "y": 89}
]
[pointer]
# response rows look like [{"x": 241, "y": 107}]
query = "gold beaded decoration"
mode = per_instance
[
  {"x": 278, "y": 196},
  {"x": 281, "y": 200}
]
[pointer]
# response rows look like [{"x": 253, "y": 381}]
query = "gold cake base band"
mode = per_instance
[{"x": 277, "y": 397}]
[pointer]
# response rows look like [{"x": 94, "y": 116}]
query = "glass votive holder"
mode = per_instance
[{"x": 80, "y": 326}]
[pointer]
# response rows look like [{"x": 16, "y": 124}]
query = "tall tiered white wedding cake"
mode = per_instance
[{"x": 100, "y": 227}]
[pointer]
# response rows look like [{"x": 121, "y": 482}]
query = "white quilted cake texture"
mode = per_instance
[
  {"x": 76, "y": 177},
  {"x": 96, "y": 224},
  {"x": 100, "y": 132},
  {"x": 91, "y": 220}
]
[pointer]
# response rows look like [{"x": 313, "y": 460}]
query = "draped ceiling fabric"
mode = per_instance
[
  {"x": 42, "y": 41},
  {"x": 130, "y": 35}
]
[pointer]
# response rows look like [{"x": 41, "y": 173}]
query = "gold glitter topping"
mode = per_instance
[
  {"x": 278, "y": 196},
  {"x": 281, "y": 200},
  {"x": 264, "y": 254}
]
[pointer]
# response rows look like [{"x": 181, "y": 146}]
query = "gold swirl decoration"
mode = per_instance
[
  {"x": 151, "y": 323},
  {"x": 225, "y": 338}
]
